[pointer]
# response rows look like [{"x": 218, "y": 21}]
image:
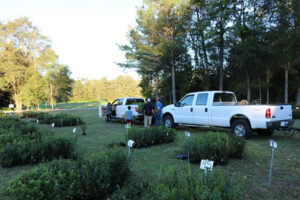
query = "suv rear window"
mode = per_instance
[{"x": 133, "y": 101}]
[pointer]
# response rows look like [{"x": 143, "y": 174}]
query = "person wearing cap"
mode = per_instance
[
  {"x": 159, "y": 107},
  {"x": 148, "y": 110}
]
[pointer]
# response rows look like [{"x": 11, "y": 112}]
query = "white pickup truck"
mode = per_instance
[
  {"x": 120, "y": 106},
  {"x": 221, "y": 109}
]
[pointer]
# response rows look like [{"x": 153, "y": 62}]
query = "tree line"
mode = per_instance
[
  {"x": 29, "y": 69},
  {"x": 251, "y": 47},
  {"x": 89, "y": 90}
]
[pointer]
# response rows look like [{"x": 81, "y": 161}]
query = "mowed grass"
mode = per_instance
[
  {"x": 146, "y": 163},
  {"x": 69, "y": 105}
]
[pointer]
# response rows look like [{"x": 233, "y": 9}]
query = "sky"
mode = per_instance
[{"x": 85, "y": 33}]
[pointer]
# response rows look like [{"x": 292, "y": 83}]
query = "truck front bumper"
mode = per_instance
[{"x": 280, "y": 124}]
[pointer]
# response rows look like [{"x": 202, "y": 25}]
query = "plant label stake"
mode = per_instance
[
  {"x": 74, "y": 130},
  {"x": 77, "y": 121},
  {"x": 188, "y": 135},
  {"x": 30, "y": 120},
  {"x": 53, "y": 125},
  {"x": 37, "y": 121},
  {"x": 61, "y": 121},
  {"x": 206, "y": 165},
  {"x": 130, "y": 145},
  {"x": 273, "y": 145}
]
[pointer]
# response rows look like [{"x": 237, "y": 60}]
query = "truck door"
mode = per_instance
[
  {"x": 201, "y": 110},
  {"x": 120, "y": 109},
  {"x": 184, "y": 110}
]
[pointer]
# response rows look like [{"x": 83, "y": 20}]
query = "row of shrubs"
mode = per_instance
[
  {"x": 15, "y": 125},
  {"x": 143, "y": 137},
  {"x": 92, "y": 178},
  {"x": 215, "y": 146},
  {"x": 174, "y": 185},
  {"x": 33, "y": 152},
  {"x": 60, "y": 119}
]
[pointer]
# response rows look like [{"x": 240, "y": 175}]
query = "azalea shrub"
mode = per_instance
[
  {"x": 94, "y": 177},
  {"x": 60, "y": 119},
  {"x": 143, "y": 137},
  {"x": 216, "y": 146}
]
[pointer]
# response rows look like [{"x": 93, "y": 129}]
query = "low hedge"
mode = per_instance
[
  {"x": 173, "y": 185},
  {"x": 33, "y": 152},
  {"x": 214, "y": 146},
  {"x": 60, "y": 119},
  {"x": 296, "y": 113},
  {"x": 30, "y": 114},
  {"x": 92, "y": 178},
  {"x": 150, "y": 136}
]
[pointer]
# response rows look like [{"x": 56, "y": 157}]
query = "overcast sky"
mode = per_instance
[{"x": 84, "y": 33}]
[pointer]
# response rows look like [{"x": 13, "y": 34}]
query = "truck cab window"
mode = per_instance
[
  {"x": 224, "y": 99},
  {"x": 120, "y": 102},
  {"x": 187, "y": 100},
  {"x": 202, "y": 99}
]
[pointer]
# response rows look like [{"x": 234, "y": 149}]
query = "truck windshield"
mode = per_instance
[{"x": 224, "y": 99}]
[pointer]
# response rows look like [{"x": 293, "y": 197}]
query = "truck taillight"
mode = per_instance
[{"x": 268, "y": 113}]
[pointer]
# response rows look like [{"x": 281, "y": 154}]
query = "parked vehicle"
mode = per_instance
[
  {"x": 119, "y": 107},
  {"x": 221, "y": 109}
]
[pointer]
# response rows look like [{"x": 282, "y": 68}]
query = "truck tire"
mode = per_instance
[
  {"x": 168, "y": 121},
  {"x": 241, "y": 128},
  {"x": 265, "y": 132}
]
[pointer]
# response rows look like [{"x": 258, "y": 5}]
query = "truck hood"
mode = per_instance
[{"x": 168, "y": 107}]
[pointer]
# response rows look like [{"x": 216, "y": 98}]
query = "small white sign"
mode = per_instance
[
  {"x": 130, "y": 143},
  {"x": 167, "y": 134},
  {"x": 53, "y": 124},
  {"x": 11, "y": 105},
  {"x": 126, "y": 126},
  {"x": 187, "y": 134},
  {"x": 37, "y": 121},
  {"x": 273, "y": 144},
  {"x": 207, "y": 164},
  {"x": 74, "y": 130},
  {"x": 297, "y": 108}
]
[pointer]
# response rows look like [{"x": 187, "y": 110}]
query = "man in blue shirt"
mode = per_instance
[{"x": 159, "y": 112}]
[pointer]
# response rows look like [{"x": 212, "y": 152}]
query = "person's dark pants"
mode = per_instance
[
  {"x": 157, "y": 118},
  {"x": 108, "y": 118}
]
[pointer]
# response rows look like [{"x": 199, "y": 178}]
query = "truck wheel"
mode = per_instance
[
  {"x": 241, "y": 128},
  {"x": 168, "y": 121},
  {"x": 265, "y": 132}
]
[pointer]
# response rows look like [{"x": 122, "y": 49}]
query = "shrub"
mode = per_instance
[
  {"x": 150, "y": 136},
  {"x": 30, "y": 114},
  {"x": 61, "y": 119},
  {"x": 93, "y": 178},
  {"x": 214, "y": 146},
  {"x": 296, "y": 113},
  {"x": 173, "y": 186},
  {"x": 32, "y": 152}
]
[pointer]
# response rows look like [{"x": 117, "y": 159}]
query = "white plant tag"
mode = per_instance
[
  {"x": 167, "y": 134},
  {"x": 207, "y": 164},
  {"x": 53, "y": 124},
  {"x": 130, "y": 143},
  {"x": 126, "y": 126},
  {"x": 187, "y": 134},
  {"x": 74, "y": 130},
  {"x": 273, "y": 144},
  {"x": 37, "y": 121}
]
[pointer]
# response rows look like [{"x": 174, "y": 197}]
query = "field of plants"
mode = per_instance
[{"x": 96, "y": 165}]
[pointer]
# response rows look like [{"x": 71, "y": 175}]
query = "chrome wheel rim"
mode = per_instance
[
  {"x": 168, "y": 123},
  {"x": 240, "y": 130}
]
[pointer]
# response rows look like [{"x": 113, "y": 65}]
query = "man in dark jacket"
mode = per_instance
[{"x": 148, "y": 110}]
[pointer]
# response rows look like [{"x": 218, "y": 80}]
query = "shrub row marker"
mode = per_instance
[
  {"x": 206, "y": 165},
  {"x": 188, "y": 135},
  {"x": 273, "y": 145}
]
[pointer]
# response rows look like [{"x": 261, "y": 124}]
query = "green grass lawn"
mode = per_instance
[{"x": 147, "y": 162}]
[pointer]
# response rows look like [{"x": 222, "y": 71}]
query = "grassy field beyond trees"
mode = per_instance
[{"x": 146, "y": 163}]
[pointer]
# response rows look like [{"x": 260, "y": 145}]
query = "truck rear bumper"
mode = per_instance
[{"x": 281, "y": 124}]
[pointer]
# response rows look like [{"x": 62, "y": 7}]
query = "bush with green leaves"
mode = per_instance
[
  {"x": 296, "y": 112},
  {"x": 151, "y": 136},
  {"x": 174, "y": 185},
  {"x": 60, "y": 119},
  {"x": 30, "y": 114},
  {"x": 33, "y": 152},
  {"x": 215, "y": 146},
  {"x": 92, "y": 178}
]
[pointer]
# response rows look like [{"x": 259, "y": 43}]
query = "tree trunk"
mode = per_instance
[
  {"x": 18, "y": 103},
  {"x": 156, "y": 86},
  {"x": 298, "y": 96},
  {"x": 173, "y": 79},
  {"x": 259, "y": 88},
  {"x": 247, "y": 84},
  {"x": 286, "y": 86},
  {"x": 268, "y": 82},
  {"x": 51, "y": 94},
  {"x": 221, "y": 57}
]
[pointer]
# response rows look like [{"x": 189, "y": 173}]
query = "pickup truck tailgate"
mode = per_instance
[{"x": 281, "y": 112}]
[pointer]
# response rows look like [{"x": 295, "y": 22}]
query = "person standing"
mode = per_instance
[
  {"x": 159, "y": 107},
  {"x": 129, "y": 116},
  {"x": 148, "y": 110},
  {"x": 108, "y": 113}
]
